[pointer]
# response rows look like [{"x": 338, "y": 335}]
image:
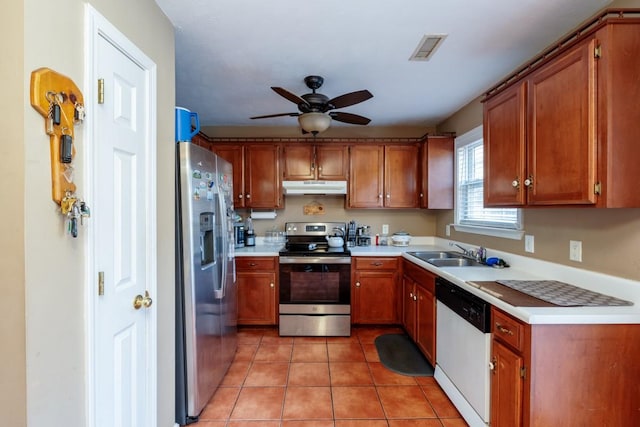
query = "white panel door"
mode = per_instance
[{"x": 123, "y": 333}]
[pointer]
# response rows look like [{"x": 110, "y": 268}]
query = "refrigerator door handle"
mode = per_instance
[{"x": 220, "y": 293}]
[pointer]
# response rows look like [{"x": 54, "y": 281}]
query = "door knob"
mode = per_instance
[{"x": 139, "y": 301}]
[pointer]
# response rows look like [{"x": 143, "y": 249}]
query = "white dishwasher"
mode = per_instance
[{"x": 463, "y": 344}]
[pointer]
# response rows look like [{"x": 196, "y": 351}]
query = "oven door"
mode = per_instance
[{"x": 315, "y": 281}]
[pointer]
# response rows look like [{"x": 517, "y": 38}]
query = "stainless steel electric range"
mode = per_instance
[{"x": 315, "y": 281}]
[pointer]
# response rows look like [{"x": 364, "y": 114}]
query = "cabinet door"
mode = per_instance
[
  {"x": 401, "y": 176},
  {"x": 332, "y": 162},
  {"x": 436, "y": 164},
  {"x": 366, "y": 168},
  {"x": 506, "y": 387},
  {"x": 562, "y": 129},
  {"x": 234, "y": 155},
  {"x": 375, "y": 297},
  {"x": 505, "y": 148},
  {"x": 426, "y": 322},
  {"x": 409, "y": 306},
  {"x": 262, "y": 176},
  {"x": 298, "y": 162},
  {"x": 256, "y": 298}
]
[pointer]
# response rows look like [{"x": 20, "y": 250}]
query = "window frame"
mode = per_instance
[{"x": 516, "y": 232}]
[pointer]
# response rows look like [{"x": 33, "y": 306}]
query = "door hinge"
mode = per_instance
[
  {"x": 523, "y": 372},
  {"x": 597, "y": 52},
  {"x": 597, "y": 188},
  {"x": 100, "y": 283},
  {"x": 100, "y": 91}
]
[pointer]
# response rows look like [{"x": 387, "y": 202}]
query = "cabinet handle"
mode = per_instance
[
  {"x": 503, "y": 329},
  {"x": 376, "y": 264},
  {"x": 248, "y": 196},
  {"x": 272, "y": 285},
  {"x": 357, "y": 284},
  {"x": 388, "y": 196},
  {"x": 492, "y": 365},
  {"x": 240, "y": 196},
  {"x": 415, "y": 298},
  {"x": 379, "y": 196},
  {"x": 515, "y": 183},
  {"x": 529, "y": 181},
  {"x": 410, "y": 295},
  {"x": 320, "y": 168},
  {"x": 252, "y": 264}
]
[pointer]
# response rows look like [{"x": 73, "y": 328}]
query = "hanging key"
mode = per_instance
[
  {"x": 66, "y": 148},
  {"x": 75, "y": 214},
  {"x": 85, "y": 212},
  {"x": 78, "y": 113}
]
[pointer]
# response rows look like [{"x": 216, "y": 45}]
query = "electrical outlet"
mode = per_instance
[
  {"x": 385, "y": 228},
  {"x": 575, "y": 250},
  {"x": 447, "y": 229},
  {"x": 528, "y": 243}
]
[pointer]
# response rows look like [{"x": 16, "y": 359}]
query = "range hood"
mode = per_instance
[{"x": 314, "y": 187}]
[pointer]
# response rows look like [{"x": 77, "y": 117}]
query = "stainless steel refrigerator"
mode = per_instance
[{"x": 206, "y": 297}]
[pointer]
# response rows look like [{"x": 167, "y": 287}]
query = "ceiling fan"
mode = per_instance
[{"x": 316, "y": 109}]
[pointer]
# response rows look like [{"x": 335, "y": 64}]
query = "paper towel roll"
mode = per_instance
[{"x": 263, "y": 215}]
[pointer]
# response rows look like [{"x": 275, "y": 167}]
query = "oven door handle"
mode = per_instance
[{"x": 314, "y": 260}]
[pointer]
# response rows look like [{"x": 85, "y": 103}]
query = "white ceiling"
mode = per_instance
[{"x": 230, "y": 52}]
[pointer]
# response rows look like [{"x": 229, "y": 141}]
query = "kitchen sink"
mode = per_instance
[
  {"x": 455, "y": 262},
  {"x": 427, "y": 255},
  {"x": 446, "y": 259}
]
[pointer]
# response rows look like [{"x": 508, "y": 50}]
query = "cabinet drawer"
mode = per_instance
[
  {"x": 256, "y": 263},
  {"x": 373, "y": 263},
  {"x": 507, "y": 329}
]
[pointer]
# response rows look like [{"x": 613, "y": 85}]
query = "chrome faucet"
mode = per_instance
[
  {"x": 464, "y": 250},
  {"x": 479, "y": 254}
]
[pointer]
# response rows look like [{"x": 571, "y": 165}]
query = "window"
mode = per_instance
[{"x": 470, "y": 214}]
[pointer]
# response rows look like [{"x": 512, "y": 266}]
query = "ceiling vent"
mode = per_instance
[{"x": 427, "y": 46}]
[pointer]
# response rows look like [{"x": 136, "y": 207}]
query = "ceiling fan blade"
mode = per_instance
[
  {"x": 288, "y": 95},
  {"x": 350, "y": 98},
  {"x": 349, "y": 118},
  {"x": 276, "y": 115}
]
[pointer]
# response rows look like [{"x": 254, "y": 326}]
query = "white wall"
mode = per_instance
[{"x": 42, "y": 288}]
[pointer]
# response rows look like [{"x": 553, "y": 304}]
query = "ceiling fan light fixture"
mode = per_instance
[{"x": 314, "y": 123}]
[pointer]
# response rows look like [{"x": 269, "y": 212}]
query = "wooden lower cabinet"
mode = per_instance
[
  {"x": 564, "y": 375},
  {"x": 374, "y": 290},
  {"x": 419, "y": 308},
  {"x": 256, "y": 278}
]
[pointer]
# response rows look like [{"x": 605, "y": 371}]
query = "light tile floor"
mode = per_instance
[{"x": 322, "y": 382}]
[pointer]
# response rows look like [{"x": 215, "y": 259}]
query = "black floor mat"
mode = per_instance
[{"x": 398, "y": 353}]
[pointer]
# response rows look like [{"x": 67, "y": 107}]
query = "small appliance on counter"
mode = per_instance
[
  {"x": 238, "y": 234},
  {"x": 249, "y": 234},
  {"x": 363, "y": 235},
  {"x": 400, "y": 238}
]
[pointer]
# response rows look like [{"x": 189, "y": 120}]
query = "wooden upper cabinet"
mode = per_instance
[
  {"x": 366, "y": 173},
  {"x": 234, "y": 154},
  {"x": 332, "y": 162},
  {"x": 540, "y": 141},
  {"x": 298, "y": 162},
  {"x": 262, "y": 176},
  {"x": 310, "y": 162},
  {"x": 505, "y": 148},
  {"x": 401, "y": 176},
  {"x": 566, "y": 133},
  {"x": 437, "y": 180},
  {"x": 383, "y": 176},
  {"x": 561, "y": 144}
]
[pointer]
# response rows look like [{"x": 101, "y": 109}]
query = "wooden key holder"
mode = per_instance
[{"x": 45, "y": 84}]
